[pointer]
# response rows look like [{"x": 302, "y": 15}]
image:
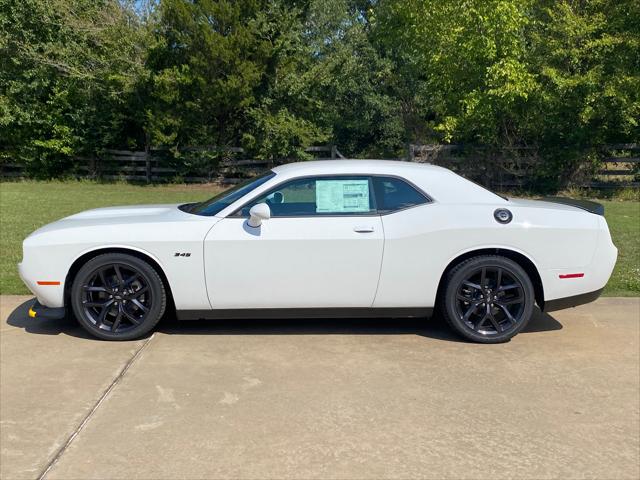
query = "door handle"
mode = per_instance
[{"x": 363, "y": 229}]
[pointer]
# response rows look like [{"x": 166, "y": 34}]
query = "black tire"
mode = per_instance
[
  {"x": 487, "y": 299},
  {"x": 121, "y": 291}
]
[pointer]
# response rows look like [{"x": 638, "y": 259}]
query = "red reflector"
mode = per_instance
[
  {"x": 48, "y": 283},
  {"x": 572, "y": 275}
]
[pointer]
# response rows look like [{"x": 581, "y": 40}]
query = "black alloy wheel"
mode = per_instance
[
  {"x": 118, "y": 297},
  {"x": 488, "y": 299}
]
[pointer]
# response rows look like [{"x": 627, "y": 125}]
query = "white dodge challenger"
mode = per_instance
[{"x": 329, "y": 238}]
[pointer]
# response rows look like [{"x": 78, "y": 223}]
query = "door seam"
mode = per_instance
[{"x": 384, "y": 243}]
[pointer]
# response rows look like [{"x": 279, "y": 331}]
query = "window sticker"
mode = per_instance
[{"x": 342, "y": 196}]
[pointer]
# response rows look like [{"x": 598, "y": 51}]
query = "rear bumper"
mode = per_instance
[
  {"x": 39, "y": 311},
  {"x": 581, "y": 281},
  {"x": 573, "y": 301}
]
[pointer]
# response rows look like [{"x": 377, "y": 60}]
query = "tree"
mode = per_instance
[
  {"x": 560, "y": 78},
  {"x": 353, "y": 80},
  {"x": 465, "y": 63},
  {"x": 586, "y": 56},
  {"x": 68, "y": 70}
]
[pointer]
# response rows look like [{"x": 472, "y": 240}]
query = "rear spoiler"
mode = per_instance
[{"x": 591, "y": 207}]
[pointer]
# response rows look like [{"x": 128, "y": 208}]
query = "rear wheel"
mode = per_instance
[
  {"x": 118, "y": 297},
  {"x": 488, "y": 299}
]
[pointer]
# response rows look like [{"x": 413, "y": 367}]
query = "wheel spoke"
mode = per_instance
[
  {"x": 106, "y": 285},
  {"x": 508, "y": 287},
  {"x": 494, "y": 322},
  {"x": 130, "y": 280},
  {"x": 139, "y": 292},
  {"x": 499, "y": 279},
  {"x": 508, "y": 314},
  {"x": 469, "y": 284},
  {"x": 116, "y": 268},
  {"x": 137, "y": 303},
  {"x": 510, "y": 301},
  {"x": 103, "y": 313},
  {"x": 116, "y": 322},
  {"x": 88, "y": 288},
  {"x": 481, "y": 322},
  {"x": 130, "y": 316},
  {"x": 90, "y": 304},
  {"x": 483, "y": 278},
  {"x": 472, "y": 308}
]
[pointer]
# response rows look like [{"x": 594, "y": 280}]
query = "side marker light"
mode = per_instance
[{"x": 571, "y": 275}]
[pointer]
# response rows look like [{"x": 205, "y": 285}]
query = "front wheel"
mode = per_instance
[
  {"x": 488, "y": 299},
  {"x": 118, "y": 297}
]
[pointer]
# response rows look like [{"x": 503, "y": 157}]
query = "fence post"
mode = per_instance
[
  {"x": 410, "y": 152},
  {"x": 333, "y": 152},
  {"x": 147, "y": 162}
]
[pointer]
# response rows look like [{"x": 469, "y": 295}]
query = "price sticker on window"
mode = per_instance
[{"x": 342, "y": 196}]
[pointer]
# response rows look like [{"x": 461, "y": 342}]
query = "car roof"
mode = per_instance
[
  {"x": 438, "y": 182},
  {"x": 352, "y": 166}
]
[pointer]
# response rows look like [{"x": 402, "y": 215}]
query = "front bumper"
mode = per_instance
[
  {"x": 49, "y": 294},
  {"x": 39, "y": 311}
]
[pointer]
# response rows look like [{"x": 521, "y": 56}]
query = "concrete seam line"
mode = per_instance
[{"x": 93, "y": 410}]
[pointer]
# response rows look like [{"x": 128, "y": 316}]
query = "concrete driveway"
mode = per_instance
[{"x": 322, "y": 399}]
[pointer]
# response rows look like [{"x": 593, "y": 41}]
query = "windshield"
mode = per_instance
[{"x": 221, "y": 201}]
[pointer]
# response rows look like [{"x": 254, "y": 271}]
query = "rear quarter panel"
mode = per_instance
[{"x": 422, "y": 241}]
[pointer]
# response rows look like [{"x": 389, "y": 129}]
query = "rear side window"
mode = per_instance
[{"x": 393, "y": 194}]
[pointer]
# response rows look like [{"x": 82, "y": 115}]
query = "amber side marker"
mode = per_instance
[
  {"x": 48, "y": 283},
  {"x": 572, "y": 275}
]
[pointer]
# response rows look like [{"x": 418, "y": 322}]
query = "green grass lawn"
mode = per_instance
[
  {"x": 624, "y": 223},
  {"x": 25, "y": 206}
]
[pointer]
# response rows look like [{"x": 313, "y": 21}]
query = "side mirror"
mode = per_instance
[{"x": 258, "y": 213}]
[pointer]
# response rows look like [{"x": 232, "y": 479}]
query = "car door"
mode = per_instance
[{"x": 322, "y": 247}]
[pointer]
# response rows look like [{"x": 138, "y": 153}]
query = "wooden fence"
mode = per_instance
[
  {"x": 194, "y": 165},
  {"x": 618, "y": 165},
  {"x": 507, "y": 168}
]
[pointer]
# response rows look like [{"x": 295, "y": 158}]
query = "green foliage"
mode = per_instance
[
  {"x": 68, "y": 70},
  {"x": 470, "y": 59},
  {"x": 586, "y": 55},
  {"x": 561, "y": 78}
]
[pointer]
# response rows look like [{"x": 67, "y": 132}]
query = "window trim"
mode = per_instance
[{"x": 375, "y": 213}]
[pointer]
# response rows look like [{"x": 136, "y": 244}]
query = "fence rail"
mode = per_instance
[
  {"x": 195, "y": 165},
  {"x": 620, "y": 165}
]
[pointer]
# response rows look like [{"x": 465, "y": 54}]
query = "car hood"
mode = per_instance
[
  {"x": 125, "y": 211},
  {"x": 121, "y": 216}
]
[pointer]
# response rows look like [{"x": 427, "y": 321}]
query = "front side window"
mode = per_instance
[
  {"x": 318, "y": 196},
  {"x": 221, "y": 201},
  {"x": 394, "y": 194}
]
